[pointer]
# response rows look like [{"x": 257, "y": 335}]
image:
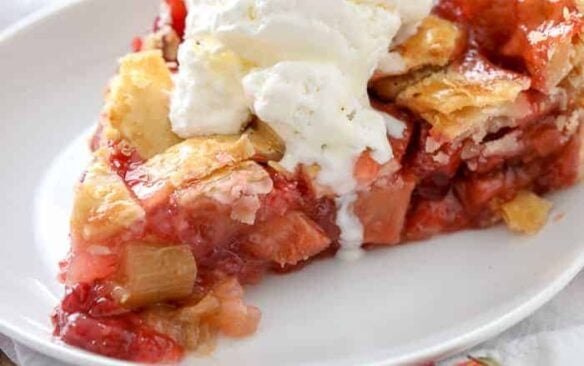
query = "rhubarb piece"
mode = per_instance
[{"x": 152, "y": 274}]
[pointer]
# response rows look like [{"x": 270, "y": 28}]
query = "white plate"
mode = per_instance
[{"x": 408, "y": 304}]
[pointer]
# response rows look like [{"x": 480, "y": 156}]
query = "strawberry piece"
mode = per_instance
[
  {"x": 137, "y": 44},
  {"x": 178, "y": 14}
]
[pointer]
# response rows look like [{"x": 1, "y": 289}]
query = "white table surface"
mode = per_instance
[{"x": 554, "y": 335}]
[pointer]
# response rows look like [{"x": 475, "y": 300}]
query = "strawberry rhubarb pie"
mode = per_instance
[{"x": 245, "y": 137}]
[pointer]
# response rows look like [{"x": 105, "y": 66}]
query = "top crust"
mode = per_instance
[
  {"x": 435, "y": 44},
  {"x": 103, "y": 207},
  {"x": 458, "y": 101},
  {"x": 138, "y": 103},
  {"x": 238, "y": 187},
  {"x": 191, "y": 160}
]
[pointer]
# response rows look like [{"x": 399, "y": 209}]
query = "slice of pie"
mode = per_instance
[{"x": 255, "y": 136}]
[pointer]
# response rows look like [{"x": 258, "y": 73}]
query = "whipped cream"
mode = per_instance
[
  {"x": 208, "y": 96},
  {"x": 302, "y": 67},
  {"x": 311, "y": 106}
]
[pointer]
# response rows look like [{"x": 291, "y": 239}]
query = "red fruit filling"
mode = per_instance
[{"x": 529, "y": 35}]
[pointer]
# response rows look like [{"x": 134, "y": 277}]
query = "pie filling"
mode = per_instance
[{"x": 479, "y": 100}]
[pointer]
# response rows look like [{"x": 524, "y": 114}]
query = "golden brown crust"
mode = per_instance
[
  {"x": 103, "y": 207},
  {"x": 268, "y": 145},
  {"x": 458, "y": 101},
  {"x": 527, "y": 213},
  {"x": 195, "y": 159},
  {"x": 238, "y": 187},
  {"x": 138, "y": 104},
  {"x": 389, "y": 87},
  {"x": 452, "y": 90},
  {"x": 436, "y": 43}
]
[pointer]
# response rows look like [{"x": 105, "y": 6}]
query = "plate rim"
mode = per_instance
[{"x": 61, "y": 351}]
